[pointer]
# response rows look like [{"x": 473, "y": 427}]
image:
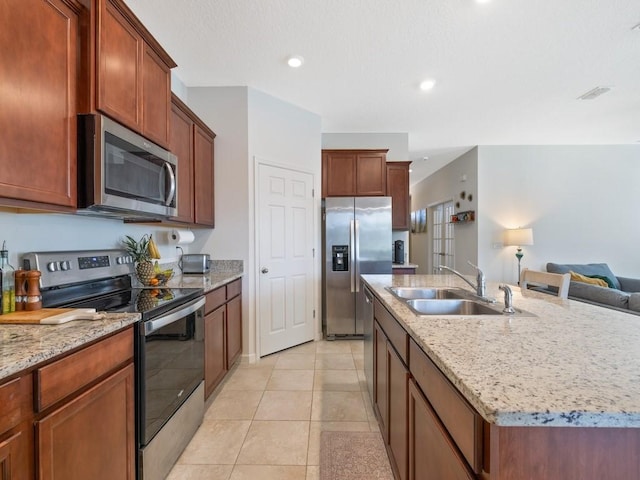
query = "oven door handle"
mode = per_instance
[{"x": 173, "y": 316}]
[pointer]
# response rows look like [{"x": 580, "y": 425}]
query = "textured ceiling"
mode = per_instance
[{"x": 508, "y": 72}]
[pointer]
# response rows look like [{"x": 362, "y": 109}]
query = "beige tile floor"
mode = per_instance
[{"x": 266, "y": 418}]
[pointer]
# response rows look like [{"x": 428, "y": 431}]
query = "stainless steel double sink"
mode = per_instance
[{"x": 447, "y": 301}]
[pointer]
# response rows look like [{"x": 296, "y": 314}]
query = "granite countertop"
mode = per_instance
[
  {"x": 222, "y": 272},
  {"x": 573, "y": 364},
  {"x": 25, "y": 346}
]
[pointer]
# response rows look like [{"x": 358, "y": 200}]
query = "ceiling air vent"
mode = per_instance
[{"x": 594, "y": 93}]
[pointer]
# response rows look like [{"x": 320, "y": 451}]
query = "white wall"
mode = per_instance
[
  {"x": 581, "y": 202},
  {"x": 397, "y": 143},
  {"x": 445, "y": 185},
  {"x": 251, "y": 125}
]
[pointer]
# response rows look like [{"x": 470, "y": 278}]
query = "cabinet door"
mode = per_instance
[
  {"x": 380, "y": 379},
  {"x": 341, "y": 174},
  {"x": 203, "y": 172},
  {"x": 234, "y": 329},
  {"x": 371, "y": 174},
  {"x": 398, "y": 190},
  {"x": 432, "y": 454},
  {"x": 119, "y": 58},
  {"x": 181, "y": 145},
  {"x": 156, "y": 98},
  {"x": 92, "y": 436},
  {"x": 14, "y": 463},
  {"x": 38, "y": 72},
  {"x": 214, "y": 353},
  {"x": 398, "y": 398}
]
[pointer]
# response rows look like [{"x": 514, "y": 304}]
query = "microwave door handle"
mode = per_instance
[{"x": 172, "y": 187}]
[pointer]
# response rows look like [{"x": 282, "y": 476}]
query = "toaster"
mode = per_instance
[{"x": 195, "y": 263}]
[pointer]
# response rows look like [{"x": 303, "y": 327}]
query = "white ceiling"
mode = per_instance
[{"x": 508, "y": 72}]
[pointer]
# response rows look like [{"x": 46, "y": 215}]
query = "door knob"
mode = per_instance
[{"x": 265, "y": 270}]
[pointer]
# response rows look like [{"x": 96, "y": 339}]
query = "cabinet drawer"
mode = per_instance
[
  {"x": 392, "y": 329},
  {"x": 63, "y": 377},
  {"x": 234, "y": 288},
  {"x": 15, "y": 398},
  {"x": 463, "y": 423},
  {"x": 215, "y": 298}
]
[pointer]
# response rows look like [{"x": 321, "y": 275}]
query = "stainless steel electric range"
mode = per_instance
[{"x": 169, "y": 344}]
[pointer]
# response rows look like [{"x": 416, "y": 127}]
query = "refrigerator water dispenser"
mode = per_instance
[{"x": 340, "y": 256}]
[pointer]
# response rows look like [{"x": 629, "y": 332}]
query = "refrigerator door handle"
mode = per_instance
[
  {"x": 352, "y": 256},
  {"x": 357, "y": 257}
]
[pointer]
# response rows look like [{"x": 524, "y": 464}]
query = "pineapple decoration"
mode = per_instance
[{"x": 143, "y": 252}]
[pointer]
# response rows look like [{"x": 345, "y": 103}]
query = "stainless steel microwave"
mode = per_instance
[{"x": 122, "y": 174}]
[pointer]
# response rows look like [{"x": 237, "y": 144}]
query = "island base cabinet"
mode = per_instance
[
  {"x": 92, "y": 436},
  {"x": 398, "y": 383},
  {"x": 567, "y": 453},
  {"x": 432, "y": 454}
]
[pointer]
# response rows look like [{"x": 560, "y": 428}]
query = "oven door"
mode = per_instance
[{"x": 170, "y": 365}]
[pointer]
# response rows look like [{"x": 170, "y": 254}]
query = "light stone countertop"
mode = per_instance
[
  {"x": 573, "y": 364},
  {"x": 23, "y": 347}
]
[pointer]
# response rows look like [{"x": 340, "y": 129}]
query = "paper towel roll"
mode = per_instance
[{"x": 181, "y": 237}]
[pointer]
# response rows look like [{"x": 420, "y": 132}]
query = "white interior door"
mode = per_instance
[
  {"x": 442, "y": 240},
  {"x": 286, "y": 258}
]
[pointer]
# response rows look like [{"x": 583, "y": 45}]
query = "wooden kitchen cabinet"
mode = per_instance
[
  {"x": 398, "y": 190},
  {"x": 128, "y": 73},
  {"x": 39, "y": 71},
  {"x": 193, "y": 143},
  {"x": 91, "y": 436},
  {"x": 223, "y": 332},
  {"x": 391, "y": 377},
  {"x": 86, "y": 426},
  {"x": 432, "y": 454},
  {"x": 16, "y": 430},
  {"x": 348, "y": 173}
]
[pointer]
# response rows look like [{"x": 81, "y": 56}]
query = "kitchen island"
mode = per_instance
[{"x": 557, "y": 393}]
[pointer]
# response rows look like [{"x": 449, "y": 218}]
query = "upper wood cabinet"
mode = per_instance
[
  {"x": 398, "y": 190},
  {"x": 39, "y": 76},
  {"x": 128, "y": 74},
  {"x": 193, "y": 142},
  {"x": 360, "y": 173}
]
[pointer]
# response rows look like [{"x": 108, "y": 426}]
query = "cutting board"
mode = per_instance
[{"x": 51, "y": 316}]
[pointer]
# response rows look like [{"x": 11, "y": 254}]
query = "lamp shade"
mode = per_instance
[{"x": 518, "y": 237}]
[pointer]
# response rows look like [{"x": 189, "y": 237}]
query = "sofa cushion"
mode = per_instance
[
  {"x": 603, "y": 295},
  {"x": 634, "y": 302},
  {"x": 577, "y": 277},
  {"x": 585, "y": 269}
]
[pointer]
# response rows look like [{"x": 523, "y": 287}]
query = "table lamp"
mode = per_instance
[{"x": 518, "y": 237}]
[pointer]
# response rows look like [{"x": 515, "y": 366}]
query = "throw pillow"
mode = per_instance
[
  {"x": 607, "y": 280},
  {"x": 577, "y": 277}
]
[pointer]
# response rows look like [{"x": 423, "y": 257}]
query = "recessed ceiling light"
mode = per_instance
[
  {"x": 428, "y": 84},
  {"x": 295, "y": 61},
  {"x": 410, "y": 170}
]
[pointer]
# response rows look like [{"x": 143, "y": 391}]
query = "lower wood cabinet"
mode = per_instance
[
  {"x": 215, "y": 365},
  {"x": 16, "y": 429},
  {"x": 223, "y": 332},
  {"x": 91, "y": 436},
  {"x": 432, "y": 454}
]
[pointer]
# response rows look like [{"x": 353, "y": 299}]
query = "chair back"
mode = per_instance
[{"x": 545, "y": 278}]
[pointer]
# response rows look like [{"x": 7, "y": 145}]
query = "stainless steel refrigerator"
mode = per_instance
[{"x": 356, "y": 240}]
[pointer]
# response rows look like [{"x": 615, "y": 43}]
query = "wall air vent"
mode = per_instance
[{"x": 594, "y": 93}]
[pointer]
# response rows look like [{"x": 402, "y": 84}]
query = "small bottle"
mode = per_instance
[{"x": 8, "y": 282}]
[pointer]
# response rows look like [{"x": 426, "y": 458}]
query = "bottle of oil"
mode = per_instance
[{"x": 8, "y": 282}]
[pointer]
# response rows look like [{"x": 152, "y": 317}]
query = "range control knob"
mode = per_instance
[
  {"x": 65, "y": 265},
  {"x": 119, "y": 260},
  {"x": 52, "y": 266}
]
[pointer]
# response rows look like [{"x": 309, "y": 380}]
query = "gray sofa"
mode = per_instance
[{"x": 624, "y": 294}]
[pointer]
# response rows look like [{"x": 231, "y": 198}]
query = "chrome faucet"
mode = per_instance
[
  {"x": 508, "y": 299},
  {"x": 481, "y": 286}
]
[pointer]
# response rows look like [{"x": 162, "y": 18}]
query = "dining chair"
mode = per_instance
[{"x": 561, "y": 281}]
